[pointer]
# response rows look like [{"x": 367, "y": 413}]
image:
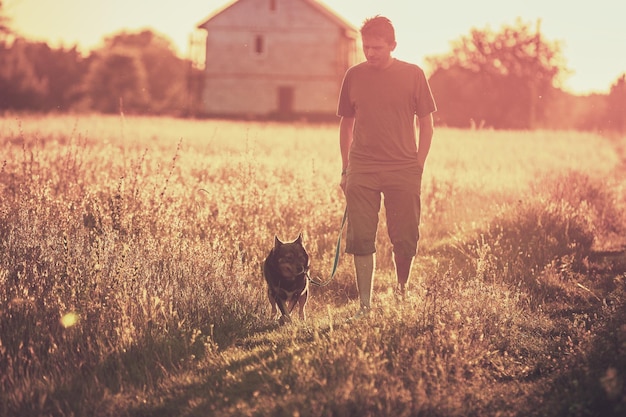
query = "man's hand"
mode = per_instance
[{"x": 342, "y": 183}]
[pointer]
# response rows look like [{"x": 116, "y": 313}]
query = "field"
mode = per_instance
[{"x": 130, "y": 275}]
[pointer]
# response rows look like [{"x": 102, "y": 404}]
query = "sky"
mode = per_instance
[{"x": 592, "y": 34}]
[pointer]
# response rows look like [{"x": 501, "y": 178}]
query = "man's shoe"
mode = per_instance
[
  {"x": 402, "y": 291},
  {"x": 362, "y": 313}
]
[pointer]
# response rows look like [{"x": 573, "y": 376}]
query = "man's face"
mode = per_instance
[{"x": 377, "y": 51}]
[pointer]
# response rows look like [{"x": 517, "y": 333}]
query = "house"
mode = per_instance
[{"x": 276, "y": 59}]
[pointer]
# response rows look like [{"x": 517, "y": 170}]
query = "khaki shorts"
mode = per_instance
[{"x": 401, "y": 191}]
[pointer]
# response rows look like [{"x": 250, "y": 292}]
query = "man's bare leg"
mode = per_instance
[
  {"x": 403, "y": 271},
  {"x": 365, "y": 266}
]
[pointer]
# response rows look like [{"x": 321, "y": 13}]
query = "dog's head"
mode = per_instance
[{"x": 291, "y": 258}]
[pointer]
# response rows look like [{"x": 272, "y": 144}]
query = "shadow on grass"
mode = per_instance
[
  {"x": 235, "y": 381},
  {"x": 592, "y": 382}
]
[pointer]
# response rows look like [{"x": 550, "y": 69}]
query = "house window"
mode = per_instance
[
  {"x": 273, "y": 5},
  {"x": 259, "y": 45}
]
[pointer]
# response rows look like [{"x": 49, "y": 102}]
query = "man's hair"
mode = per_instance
[{"x": 380, "y": 27}]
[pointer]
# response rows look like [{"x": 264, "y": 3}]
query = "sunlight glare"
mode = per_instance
[{"x": 69, "y": 319}]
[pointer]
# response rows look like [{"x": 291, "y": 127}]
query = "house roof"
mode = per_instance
[
  {"x": 325, "y": 10},
  {"x": 215, "y": 13},
  {"x": 322, "y": 8}
]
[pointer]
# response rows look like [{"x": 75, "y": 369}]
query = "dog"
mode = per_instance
[{"x": 286, "y": 272}]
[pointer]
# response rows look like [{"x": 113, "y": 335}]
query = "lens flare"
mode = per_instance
[{"x": 69, "y": 319}]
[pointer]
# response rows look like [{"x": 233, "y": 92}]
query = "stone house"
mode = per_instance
[{"x": 276, "y": 59}]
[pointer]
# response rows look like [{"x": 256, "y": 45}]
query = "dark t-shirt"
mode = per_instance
[{"x": 384, "y": 103}]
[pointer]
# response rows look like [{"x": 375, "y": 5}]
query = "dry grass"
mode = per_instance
[{"x": 130, "y": 282}]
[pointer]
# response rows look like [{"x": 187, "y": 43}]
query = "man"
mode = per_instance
[{"x": 378, "y": 105}]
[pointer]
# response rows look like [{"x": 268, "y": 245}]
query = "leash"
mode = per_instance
[{"x": 337, "y": 252}]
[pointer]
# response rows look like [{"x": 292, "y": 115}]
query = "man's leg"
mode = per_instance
[
  {"x": 403, "y": 271},
  {"x": 403, "y": 206},
  {"x": 365, "y": 266},
  {"x": 363, "y": 203}
]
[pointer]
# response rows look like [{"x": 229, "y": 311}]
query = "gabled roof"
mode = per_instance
[
  {"x": 322, "y": 8},
  {"x": 215, "y": 13},
  {"x": 325, "y": 10}
]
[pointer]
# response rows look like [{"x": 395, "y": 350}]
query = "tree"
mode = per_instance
[
  {"x": 4, "y": 23},
  {"x": 117, "y": 82},
  {"x": 616, "y": 106},
  {"x": 20, "y": 86},
  {"x": 159, "y": 83},
  {"x": 62, "y": 71},
  {"x": 34, "y": 76},
  {"x": 500, "y": 78}
]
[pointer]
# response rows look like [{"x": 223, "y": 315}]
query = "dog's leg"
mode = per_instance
[
  {"x": 302, "y": 304},
  {"x": 272, "y": 303},
  {"x": 285, "y": 318}
]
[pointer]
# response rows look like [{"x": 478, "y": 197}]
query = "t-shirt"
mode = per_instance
[{"x": 384, "y": 103}]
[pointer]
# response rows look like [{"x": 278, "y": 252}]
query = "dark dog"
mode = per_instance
[{"x": 286, "y": 272}]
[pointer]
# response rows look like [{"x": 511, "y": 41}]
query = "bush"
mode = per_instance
[{"x": 552, "y": 231}]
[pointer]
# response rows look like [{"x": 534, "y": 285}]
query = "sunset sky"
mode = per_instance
[{"x": 592, "y": 33}]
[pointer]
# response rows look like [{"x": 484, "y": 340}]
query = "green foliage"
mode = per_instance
[
  {"x": 4, "y": 23},
  {"x": 539, "y": 243},
  {"x": 117, "y": 82},
  {"x": 21, "y": 86},
  {"x": 496, "y": 78},
  {"x": 518, "y": 51},
  {"x": 595, "y": 198},
  {"x": 167, "y": 75},
  {"x": 138, "y": 73},
  {"x": 34, "y": 76},
  {"x": 521, "y": 243},
  {"x": 616, "y": 105}
]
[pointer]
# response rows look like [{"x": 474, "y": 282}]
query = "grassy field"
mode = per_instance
[{"x": 130, "y": 275}]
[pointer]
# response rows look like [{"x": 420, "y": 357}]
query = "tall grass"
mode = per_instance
[{"x": 130, "y": 278}]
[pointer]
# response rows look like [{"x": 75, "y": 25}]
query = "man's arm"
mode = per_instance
[
  {"x": 426, "y": 130},
  {"x": 346, "y": 127}
]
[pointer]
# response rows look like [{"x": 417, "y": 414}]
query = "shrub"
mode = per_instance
[{"x": 556, "y": 228}]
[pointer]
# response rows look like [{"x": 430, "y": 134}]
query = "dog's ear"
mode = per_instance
[
  {"x": 299, "y": 239},
  {"x": 277, "y": 242}
]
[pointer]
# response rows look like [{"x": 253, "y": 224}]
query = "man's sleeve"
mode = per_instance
[
  {"x": 425, "y": 101},
  {"x": 345, "y": 108}
]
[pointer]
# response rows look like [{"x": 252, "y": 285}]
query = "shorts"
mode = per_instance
[{"x": 401, "y": 191}]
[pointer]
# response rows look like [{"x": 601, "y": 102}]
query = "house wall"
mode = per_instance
[{"x": 301, "y": 49}]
